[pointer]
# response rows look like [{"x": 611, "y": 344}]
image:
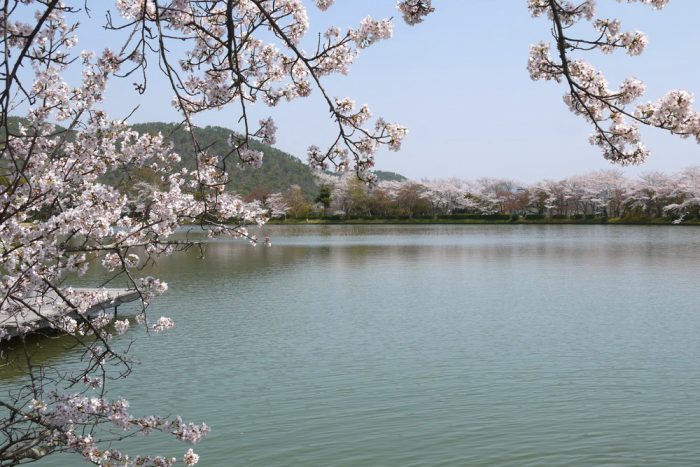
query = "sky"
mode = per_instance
[{"x": 459, "y": 82}]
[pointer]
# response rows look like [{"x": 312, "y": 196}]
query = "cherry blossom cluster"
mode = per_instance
[
  {"x": 66, "y": 416},
  {"x": 414, "y": 11},
  {"x": 615, "y": 114},
  {"x": 363, "y": 147},
  {"x": 164, "y": 323},
  {"x": 58, "y": 217}
]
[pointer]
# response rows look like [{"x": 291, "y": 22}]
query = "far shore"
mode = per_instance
[{"x": 519, "y": 221}]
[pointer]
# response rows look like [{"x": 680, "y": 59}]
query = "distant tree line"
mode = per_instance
[{"x": 602, "y": 194}]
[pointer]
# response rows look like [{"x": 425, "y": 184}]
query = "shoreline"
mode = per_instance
[{"x": 600, "y": 221}]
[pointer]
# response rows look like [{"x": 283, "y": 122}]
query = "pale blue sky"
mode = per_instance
[{"x": 459, "y": 82}]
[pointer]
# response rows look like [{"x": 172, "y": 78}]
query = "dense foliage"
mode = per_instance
[{"x": 596, "y": 195}]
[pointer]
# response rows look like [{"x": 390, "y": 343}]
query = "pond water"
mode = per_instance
[{"x": 428, "y": 345}]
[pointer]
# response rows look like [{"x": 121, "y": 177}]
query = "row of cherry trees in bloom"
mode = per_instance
[{"x": 597, "y": 194}]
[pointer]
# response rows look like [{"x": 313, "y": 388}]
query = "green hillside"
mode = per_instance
[
  {"x": 278, "y": 172},
  {"x": 383, "y": 176}
]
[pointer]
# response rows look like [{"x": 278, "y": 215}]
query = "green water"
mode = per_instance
[{"x": 428, "y": 345}]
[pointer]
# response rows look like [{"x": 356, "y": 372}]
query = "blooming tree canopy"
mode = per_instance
[
  {"x": 615, "y": 114},
  {"x": 594, "y": 196},
  {"x": 59, "y": 216}
]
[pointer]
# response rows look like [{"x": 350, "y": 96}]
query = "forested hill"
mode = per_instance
[
  {"x": 278, "y": 172},
  {"x": 383, "y": 176}
]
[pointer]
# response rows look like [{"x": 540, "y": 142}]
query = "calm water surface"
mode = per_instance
[{"x": 438, "y": 345}]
